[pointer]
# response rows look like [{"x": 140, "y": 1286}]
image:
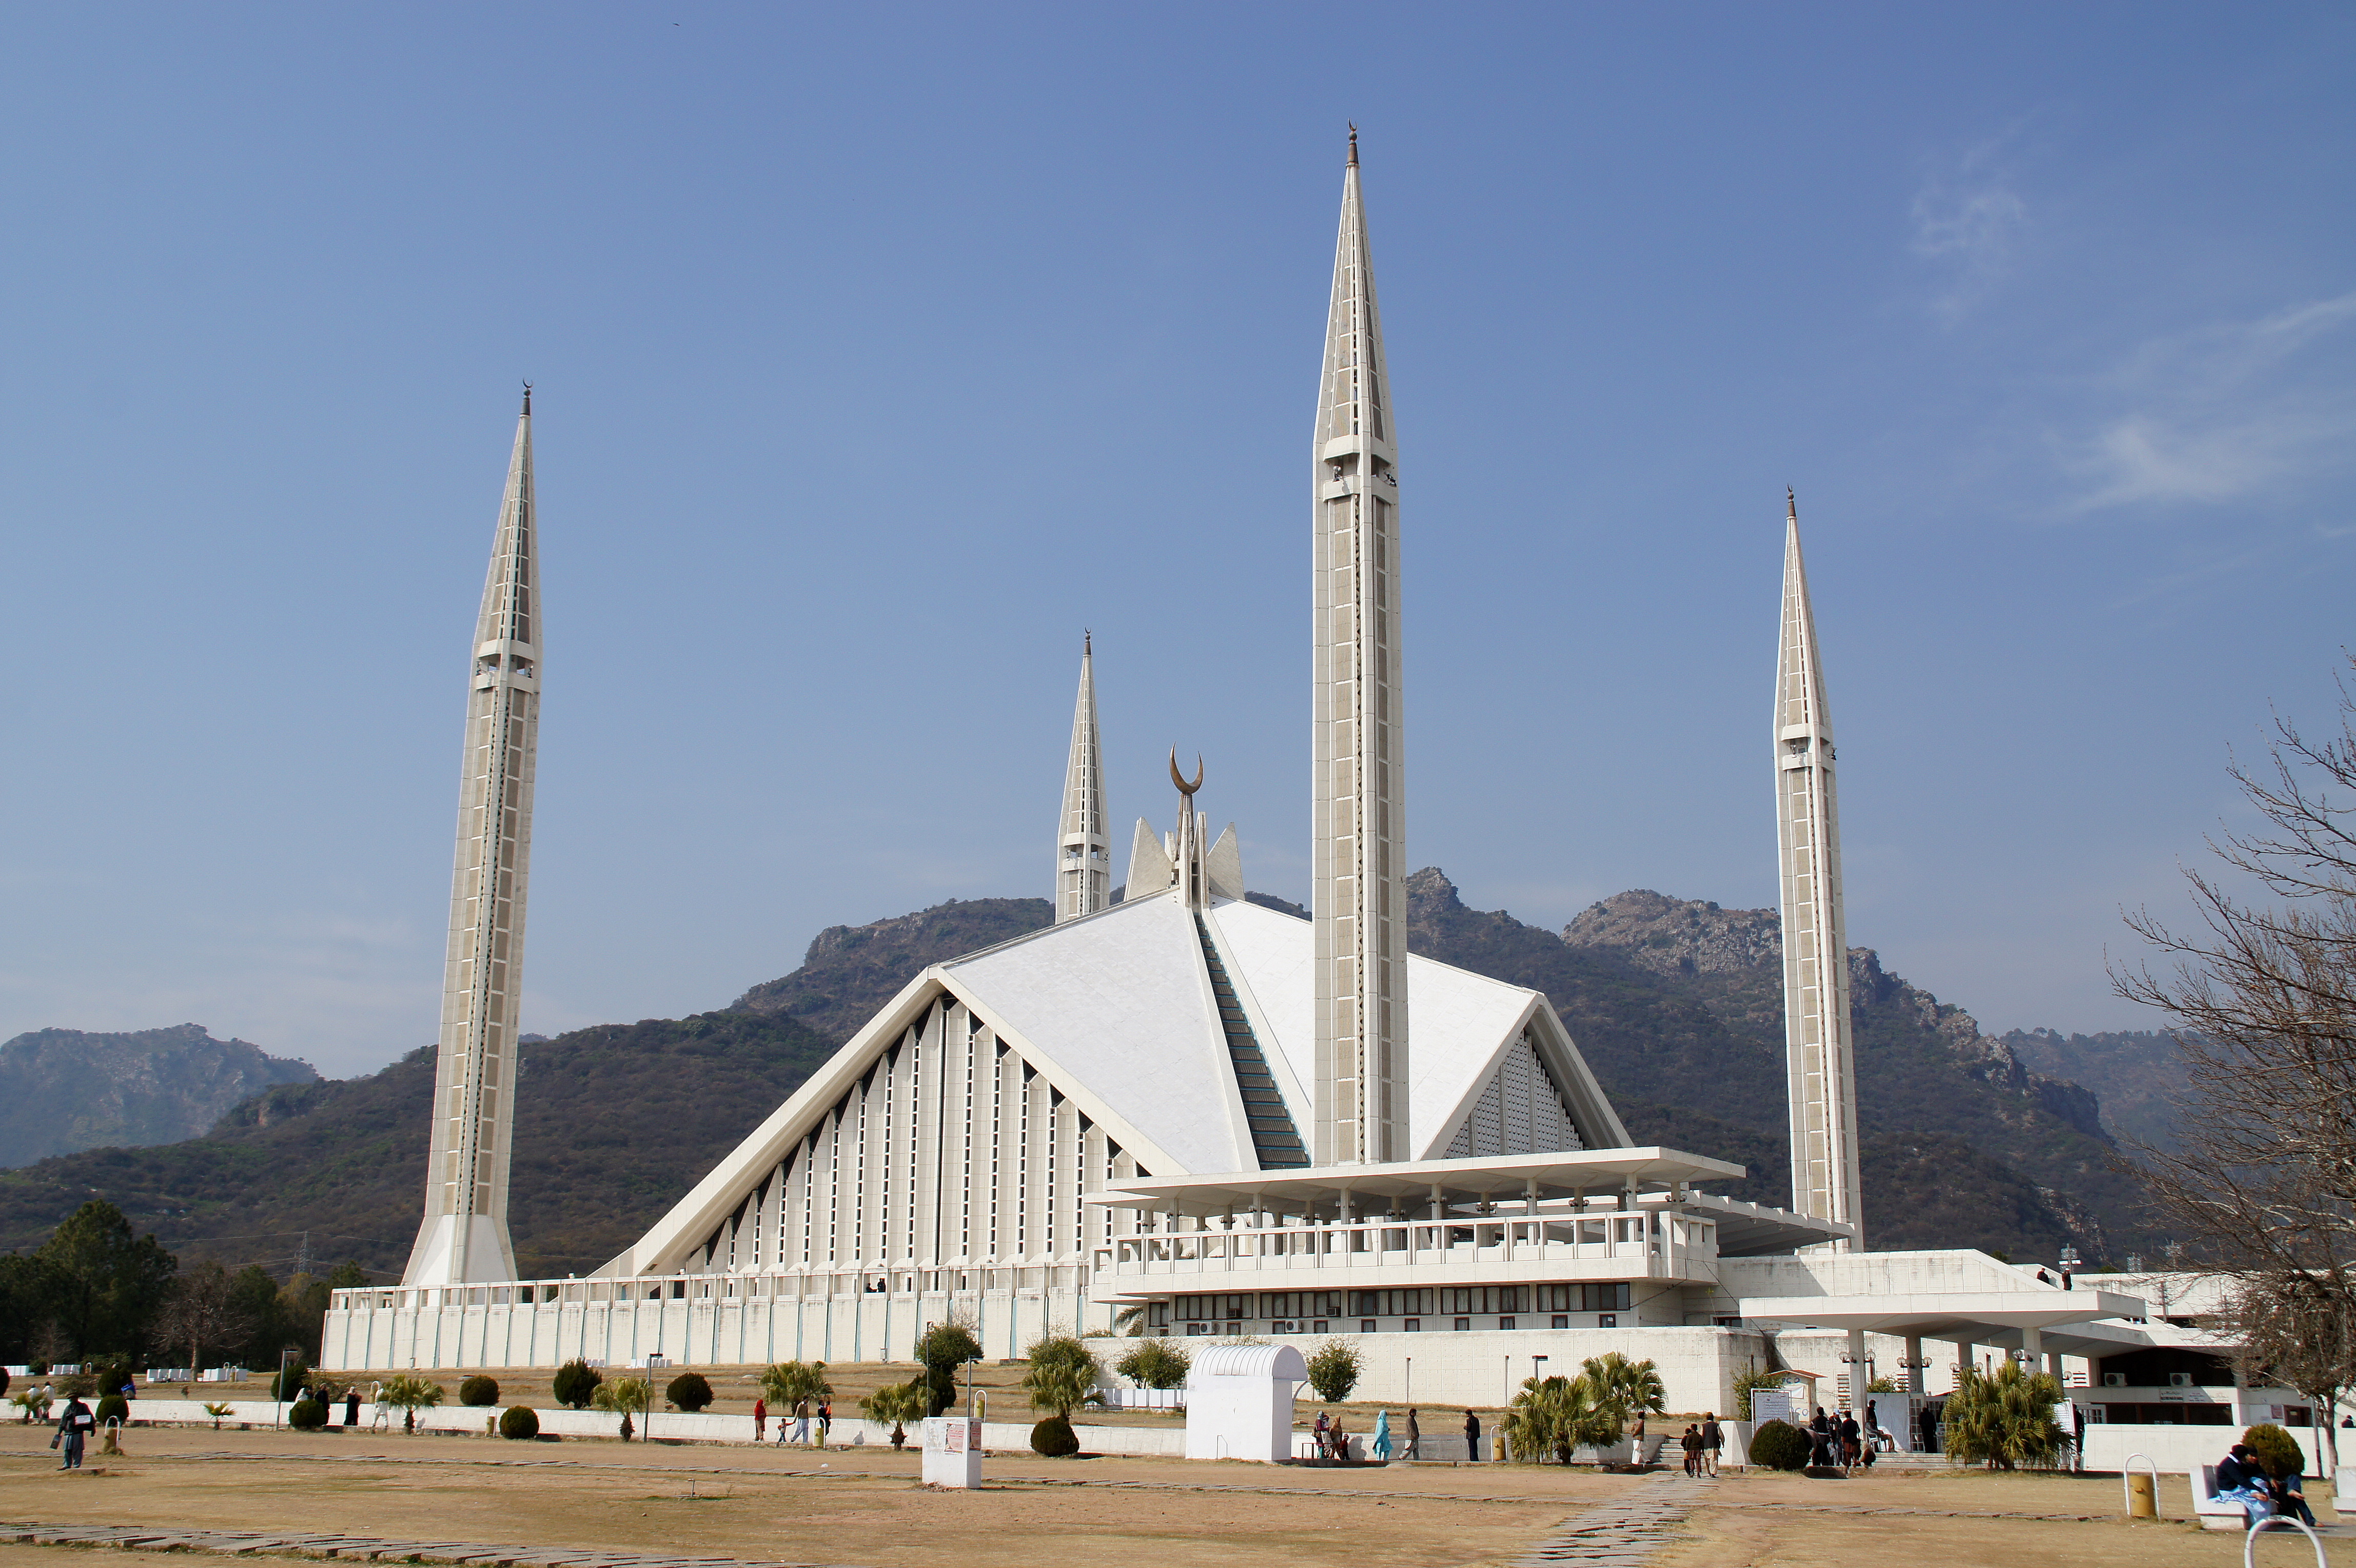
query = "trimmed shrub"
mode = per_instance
[
  {"x": 520, "y": 1421},
  {"x": 576, "y": 1384},
  {"x": 690, "y": 1392},
  {"x": 308, "y": 1415},
  {"x": 1333, "y": 1370},
  {"x": 1054, "y": 1438},
  {"x": 1155, "y": 1363},
  {"x": 113, "y": 1407},
  {"x": 284, "y": 1385},
  {"x": 479, "y": 1390},
  {"x": 2277, "y": 1450},
  {"x": 1779, "y": 1446}
]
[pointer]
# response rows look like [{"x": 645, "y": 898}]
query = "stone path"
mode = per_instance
[
  {"x": 350, "y": 1547},
  {"x": 1622, "y": 1533}
]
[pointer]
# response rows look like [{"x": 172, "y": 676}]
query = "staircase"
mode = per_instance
[{"x": 1275, "y": 1140}]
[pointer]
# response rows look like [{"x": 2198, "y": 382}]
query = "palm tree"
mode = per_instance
[
  {"x": 2005, "y": 1421},
  {"x": 625, "y": 1394},
  {"x": 1631, "y": 1388},
  {"x": 1063, "y": 1375},
  {"x": 1555, "y": 1416},
  {"x": 409, "y": 1393},
  {"x": 899, "y": 1404}
]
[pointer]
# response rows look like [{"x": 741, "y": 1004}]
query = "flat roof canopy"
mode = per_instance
[
  {"x": 1995, "y": 1319},
  {"x": 1322, "y": 1189}
]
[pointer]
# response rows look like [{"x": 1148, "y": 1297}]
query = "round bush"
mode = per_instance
[
  {"x": 113, "y": 1407},
  {"x": 308, "y": 1415},
  {"x": 4, "y": 1380},
  {"x": 1779, "y": 1446},
  {"x": 1054, "y": 1438},
  {"x": 2277, "y": 1450},
  {"x": 520, "y": 1421},
  {"x": 576, "y": 1384},
  {"x": 479, "y": 1390},
  {"x": 689, "y": 1391}
]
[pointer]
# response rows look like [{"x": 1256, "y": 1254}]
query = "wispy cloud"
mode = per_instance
[
  {"x": 1969, "y": 223},
  {"x": 2225, "y": 410}
]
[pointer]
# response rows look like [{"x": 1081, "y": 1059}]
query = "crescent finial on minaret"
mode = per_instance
[
  {"x": 1353, "y": 144},
  {"x": 1791, "y": 504},
  {"x": 1087, "y": 642},
  {"x": 1180, "y": 779},
  {"x": 527, "y": 397}
]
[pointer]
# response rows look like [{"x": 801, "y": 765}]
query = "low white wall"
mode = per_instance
[
  {"x": 2177, "y": 1450},
  {"x": 668, "y": 1426}
]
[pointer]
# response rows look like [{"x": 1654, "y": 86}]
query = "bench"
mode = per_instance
[{"x": 2215, "y": 1513}]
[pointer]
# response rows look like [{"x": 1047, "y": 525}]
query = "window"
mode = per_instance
[
  {"x": 1198, "y": 1328},
  {"x": 1365, "y": 1325},
  {"x": 1561, "y": 1320},
  {"x": 1281, "y": 1326},
  {"x": 1318, "y": 1326},
  {"x": 1462, "y": 1323},
  {"x": 1505, "y": 1323},
  {"x": 1412, "y": 1326},
  {"x": 1234, "y": 1328},
  {"x": 1607, "y": 1320}
]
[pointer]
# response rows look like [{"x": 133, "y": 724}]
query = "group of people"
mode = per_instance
[
  {"x": 1841, "y": 1442},
  {"x": 2243, "y": 1479},
  {"x": 796, "y": 1428},
  {"x": 1703, "y": 1444}
]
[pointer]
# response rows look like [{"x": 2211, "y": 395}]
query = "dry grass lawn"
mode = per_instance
[{"x": 867, "y": 1508}]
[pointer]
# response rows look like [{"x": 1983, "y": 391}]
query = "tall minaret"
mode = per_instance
[
  {"x": 1820, "y": 1059},
  {"x": 465, "y": 1235},
  {"x": 1083, "y": 851},
  {"x": 1358, "y": 821}
]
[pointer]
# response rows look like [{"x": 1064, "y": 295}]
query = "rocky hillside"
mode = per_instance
[
  {"x": 849, "y": 971},
  {"x": 62, "y": 1089},
  {"x": 613, "y": 1125},
  {"x": 1677, "y": 1004},
  {"x": 2140, "y": 1069}
]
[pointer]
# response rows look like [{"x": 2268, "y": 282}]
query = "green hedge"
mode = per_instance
[
  {"x": 1780, "y": 1446},
  {"x": 308, "y": 1415},
  {"x": 1054, "y": 1438},
  {"x": 520, "y": 1421}
]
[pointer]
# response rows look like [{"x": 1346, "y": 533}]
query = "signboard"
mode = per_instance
[{"x": 953, "y": 1451}]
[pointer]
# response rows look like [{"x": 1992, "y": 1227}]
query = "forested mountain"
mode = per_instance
[
  {"x": 62, "y": 1089},
  {"x": 2140, "y": 1069},
  {"x": 613, "y": 1125},
  {"x": 1676, "y": 1004}
]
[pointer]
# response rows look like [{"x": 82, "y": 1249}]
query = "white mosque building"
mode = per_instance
[{"x": 1191, "y": 1115}]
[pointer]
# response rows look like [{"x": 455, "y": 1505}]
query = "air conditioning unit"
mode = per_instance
[
  {"x": 2180, "y": 1380},
  {"x": 2114, "y": 1379}
]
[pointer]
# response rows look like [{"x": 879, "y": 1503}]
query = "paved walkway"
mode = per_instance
[
  {"x": 357, "y": 1548},
  {"x": 1623, "y": 1533}
]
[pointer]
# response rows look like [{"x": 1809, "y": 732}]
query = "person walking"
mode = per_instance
[
  {"x": 1471, "y": 1435},
  {"x": 1852, "y": 1440},
  {"x": 801, "y": 1421},
  {"x": 1338, "y": 1440},
  {"x": 352, "y": 1406},
  {"x": 1691, "y": 1444},
  {"x": 73, "y": 1430},
  {"x": 1414, "y": 1435},
  {"x": 1321, "y": 1446},
  {"x": 1930, "y": 1425},
  {"x": 1713, "y": 1440},
  {"x": 1383, "y": 1435},
  {"x": 760, "y": 1418},
  {"x": 1820, "y": 1441}
]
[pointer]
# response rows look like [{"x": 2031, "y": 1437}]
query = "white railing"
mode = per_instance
[{"x": 1623, "y": 1244}]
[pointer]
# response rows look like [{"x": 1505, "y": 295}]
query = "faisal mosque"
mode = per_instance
[{"x": 1190, "y": 1114}]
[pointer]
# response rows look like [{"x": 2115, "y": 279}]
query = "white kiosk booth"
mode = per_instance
[{"x": 1239, "y": 1401}]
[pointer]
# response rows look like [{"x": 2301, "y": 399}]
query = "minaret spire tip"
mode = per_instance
[
  {"x": 1088, "y": 643},
  {"x": 527, "y": 400},
  {"x": 1353, "y": 144},
  {"x": 1790, "y": 505}
]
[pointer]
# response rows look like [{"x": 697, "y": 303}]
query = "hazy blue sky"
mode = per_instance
[{"x": 881, "y": 348}]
